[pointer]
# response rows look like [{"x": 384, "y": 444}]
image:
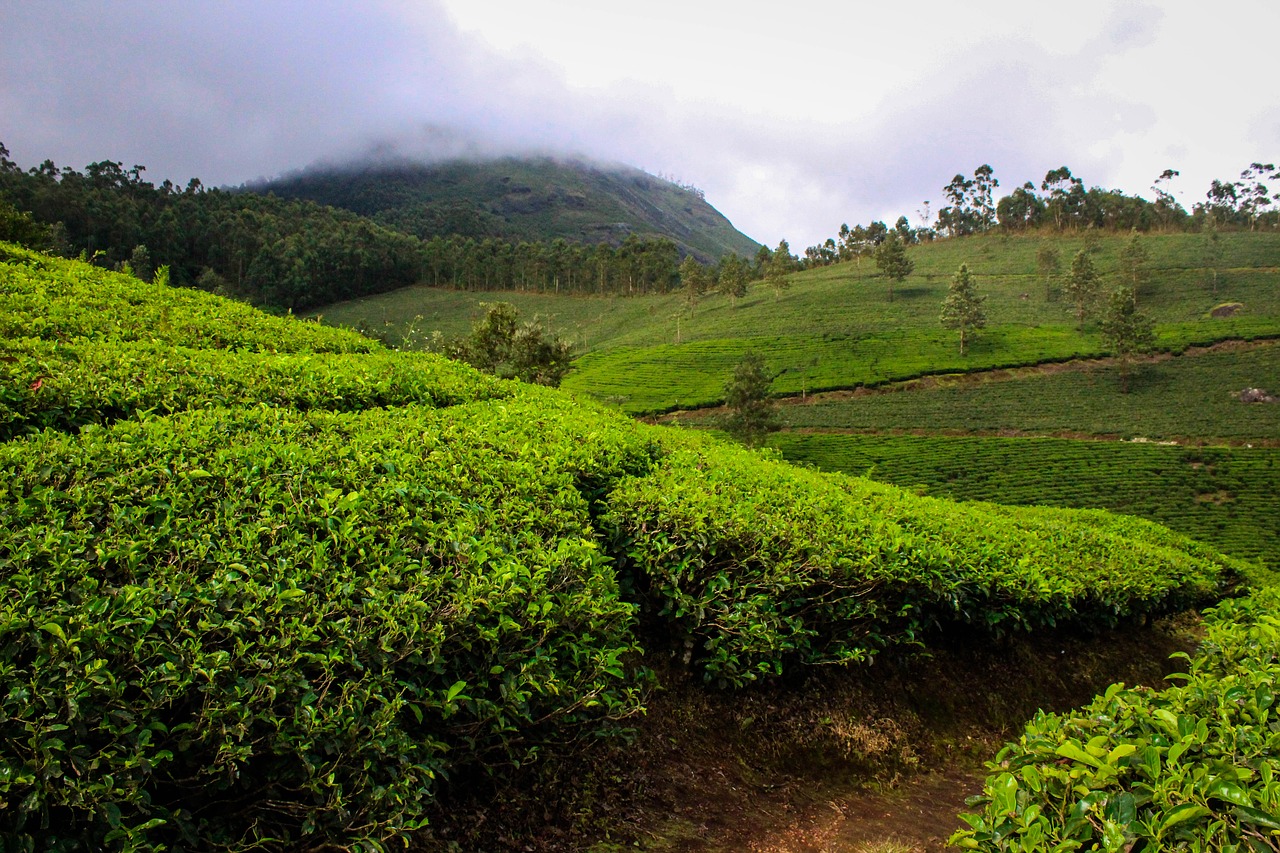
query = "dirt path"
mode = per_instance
[{"x": 918, "y": 816}]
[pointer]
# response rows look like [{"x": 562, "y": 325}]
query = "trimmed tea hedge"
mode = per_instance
[
  {"x": 1193, "y": 767},
  {"x": 59, "y": 300},
  {"x": 754, "y": 563},
  {"x": 237, "y": 626},
  {"x": 65, "y": 386}
]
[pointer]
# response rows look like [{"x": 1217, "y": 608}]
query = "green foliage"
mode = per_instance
[
  {"x": 1195, "y": 766},
  {"x": 267, "y": 584},
  {"x": 535, "y": 200},
  {"x": 1048, "y": 263},
  {"x": 1193, "y": 396},
  {"x": 19, "y": 227},
  {"x": 1082, "y": 285},
  {"x": 962, "y": 309},
  {"x": 752, "y": 415},
  {"x": 1126, "y": 330},
  {"x": 833, "y": 329},
  {"x": 288, "y": 255},
  {"x": 749, "y": 565},
  {"x": 306, "y": 620},
  {"x": 1218, "y": 495},
  {"x": 501, "y": 344},
  {"x": 891, "y": 258},
  {"x": 57, "y": 300},
  {"x": 1134, "y": 263}
]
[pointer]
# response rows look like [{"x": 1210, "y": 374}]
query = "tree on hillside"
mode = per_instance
[
  {"x": 1126, "y": 331},
  {"x": 501, "y": 344},
  {"x": 733, "y": 273},
  {"x": 693, "y": 279},
  {"x": 1065, "y": 195},
  {"x": 1167, "y": 207},
  {"x": 962, "y": 307},
  {"x": 1081, "y": 285},
  {"x": 891, "y": 258},
  {"x": 752, "y": 414},
  {"x": 1048, "y": 264},
  {"x": 781, "y": 264},
  {"x": 1134, "y": 259}
]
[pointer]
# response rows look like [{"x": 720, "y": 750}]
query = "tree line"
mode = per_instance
[{"x": 1061, "y": 203}]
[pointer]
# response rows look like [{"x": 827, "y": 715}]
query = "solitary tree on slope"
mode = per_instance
[
  {"x": 752, "y": 415},
  {"x": 1126, "y": 331},
  {"x": 962, "y": 307}
]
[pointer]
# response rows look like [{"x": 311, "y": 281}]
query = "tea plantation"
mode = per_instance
[
  {"x": 836, "y": 327},
  {"x": 265, "y": 584}
]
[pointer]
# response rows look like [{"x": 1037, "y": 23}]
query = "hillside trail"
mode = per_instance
[
  {"x": 917, "y": 815},
  {"x": 982, "y": 377}
]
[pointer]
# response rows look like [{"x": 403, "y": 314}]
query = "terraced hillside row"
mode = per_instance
[
  {"x": 274, "y": 612},
  {"x": 836, "y": 327},
  {"x": 1195, "y": 397}
]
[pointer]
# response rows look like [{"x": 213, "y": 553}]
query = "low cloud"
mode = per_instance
[{"x": 234, "y": 91}]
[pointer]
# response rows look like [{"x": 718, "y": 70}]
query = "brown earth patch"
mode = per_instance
[{"x": 837, "y": 760}]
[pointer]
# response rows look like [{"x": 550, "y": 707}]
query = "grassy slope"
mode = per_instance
[
  {"x": 836, "y": 328},
  {"x": 530, "y": 199}
]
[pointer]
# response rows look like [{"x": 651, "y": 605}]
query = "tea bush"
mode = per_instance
[
  {"x": 262, "y": 588},
  {"x": 232, "y": 627},
  {"x": 59, "y": 300},
  {"x": 65, "y": 386},
  {"x": 1193, "y": 767},
  {"x": 753, "y": 563}
]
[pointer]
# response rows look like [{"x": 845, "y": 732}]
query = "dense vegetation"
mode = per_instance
[
  {"x": 283, "y": 605},
  {"x": 1221, "y": 495},
  {"x": 294, "y": 254},
  {"x": 534, "y": 200},
  {"x": 1195, "y": 766}
]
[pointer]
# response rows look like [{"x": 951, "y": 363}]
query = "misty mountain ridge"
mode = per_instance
[{"x": 535, "y": 198}]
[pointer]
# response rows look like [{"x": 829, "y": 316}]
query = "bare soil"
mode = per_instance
[{"x": 873, "y": 759}]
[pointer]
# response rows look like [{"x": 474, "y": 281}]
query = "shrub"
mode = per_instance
[
  {"x": 1195, "y": 766},
  {"x": 230, "y": 627}
]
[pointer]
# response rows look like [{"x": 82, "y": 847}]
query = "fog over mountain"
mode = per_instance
[{"x": 790, "y": 122}]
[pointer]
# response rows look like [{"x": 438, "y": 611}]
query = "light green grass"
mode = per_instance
[{"x": 657, "y": 353}]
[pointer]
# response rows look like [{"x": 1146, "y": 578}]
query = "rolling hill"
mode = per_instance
[{"x": 538, "y": 199}]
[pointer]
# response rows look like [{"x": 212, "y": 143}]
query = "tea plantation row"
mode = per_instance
[
  {"x": 240, "y": 608},
  {"x": 1186, "y": 396},
  {"x": 1224, "y": 496}
]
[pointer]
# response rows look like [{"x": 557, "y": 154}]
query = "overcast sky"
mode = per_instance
[{"x": 793, "y": 118}]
